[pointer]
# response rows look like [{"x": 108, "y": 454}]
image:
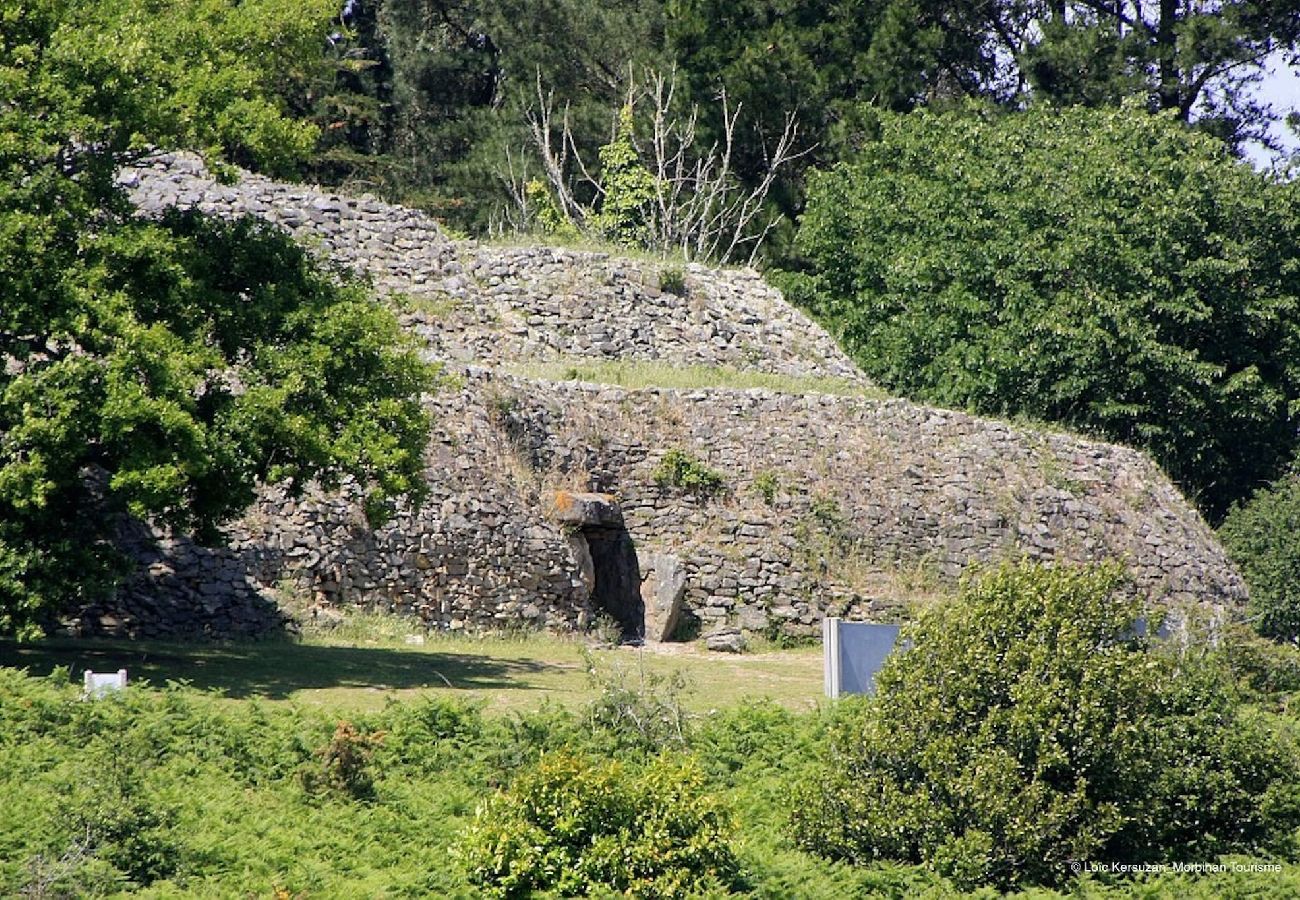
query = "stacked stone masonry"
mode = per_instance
[
  {"x": 493, "y": 305},
  {"x": 837, "y": 504}
]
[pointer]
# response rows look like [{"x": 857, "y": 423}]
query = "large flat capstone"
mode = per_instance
[{"x": 586, "y": 510}]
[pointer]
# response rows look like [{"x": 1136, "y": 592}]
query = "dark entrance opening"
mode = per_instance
[{"x": 617, "y": 577}]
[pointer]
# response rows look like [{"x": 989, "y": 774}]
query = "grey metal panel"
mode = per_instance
[
  {"x": 854, "y": 652},
  {"x": 863, "y": 650}
]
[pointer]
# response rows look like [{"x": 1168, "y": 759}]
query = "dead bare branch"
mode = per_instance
[{"x": 700, "y": 209}]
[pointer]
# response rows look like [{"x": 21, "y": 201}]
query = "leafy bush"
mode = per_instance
[
  {"x": 759, "y": 733},
  {"x": 1266, "y": 671},
  {"x": 113, "y": 825},
  {"x": 412, "y": 730},
  {"x": 645, "y": 715},
  {"x": 672, "y": 280},
  {"x": 681, "y": 470},
  {"x": 574, "y": 826},
  {"x": 628, "y": 188},
  {"x": 86, "y": 821},
  {"x": 547, "y": 216},
  {"x": 343, "y": 765},
  {"x": 767, "y": 484},
  {"x": 164, "y": 368},
  {"x": 1029, "y": 725},
  {"x": 604, "y": 630},
  {"x": 1108, "y": 269},
  {"x": 1260, "y": 535}
]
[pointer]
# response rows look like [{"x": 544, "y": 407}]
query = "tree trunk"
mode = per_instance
[{"x": 1170, "y": 90}]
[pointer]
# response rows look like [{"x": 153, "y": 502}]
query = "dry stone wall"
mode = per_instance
[
  {"x": 841, "y": 504},
  {"x": 181, "y": 589},
  {"x": 495, "y": 305},
  {"x": 844, "y": 503},
  {"x": 391, "y": 244}
]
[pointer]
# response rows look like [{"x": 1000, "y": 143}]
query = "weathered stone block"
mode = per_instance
[
  {"x": 579, "y": 509},
  {"x": 663, "y": 588},
  {"x": 753, "y": 618},
  {"x": 725, "y": 640}
]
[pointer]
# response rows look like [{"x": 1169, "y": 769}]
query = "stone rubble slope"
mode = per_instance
[
  {"x": 496, "y": 305},
  {"x": 829, "y": 504}
]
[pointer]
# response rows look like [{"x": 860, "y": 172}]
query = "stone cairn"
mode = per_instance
[{"x": 552, "y": 501}]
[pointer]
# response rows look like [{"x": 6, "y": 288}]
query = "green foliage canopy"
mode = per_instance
[
  {"x": 457, "y": 75},
  {"x": 830, "y": 64},
  {"x": 1199, "y": 60},
  {"x": 680, "y": 469},
  {"x": 160, "y": 368},
  {"x": 423, "y": 99},
  {"x": 1029, "y": 725},
  {"x": 573, "y": 826},
  {"x": 819, "y": 58},
  {"x": 628, "y": 186},
  {"x": 1260, "y": 534},
  {"x": 1107, "y": 269}
]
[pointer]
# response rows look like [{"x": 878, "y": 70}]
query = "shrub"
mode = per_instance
[
  {"x": 645, "y": 714},
  {"x": 672, "y": 280},
  {"x": 87, "y": 810},
  {"x": 627, "y": 188},
  {"x": 114, "y": 816},
  {"x": 572, "y": 825},
  {"x": 604, "y": 630},
  {"x": 767, "y": 484},
  {"x": 1261, "y": 537},
  {"x": 681, "y": 470},
  {"x": 343, "y": 765},
  {"x": 824, "y": 537},
  {"x": 760, "y": 735},
  {"x": 1084, "y": 266},
  {"x": 1029, "y": 725},
  {"x": 547, "y": 216},
  {"x": 426, "y": 731},
  {"x": 1266, "y": 671}
]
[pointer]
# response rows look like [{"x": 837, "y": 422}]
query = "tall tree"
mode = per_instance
[
  {"x": 820, "y": 59},
  {"x": 1200, "y": 59},
  {"x": 831, "y": 63},
  {"x": 1108, "y": 269},
  {"x": 161, "y": 368},
  {"x": 349, "y": 100},
  {"x": 463, "y": 72}
]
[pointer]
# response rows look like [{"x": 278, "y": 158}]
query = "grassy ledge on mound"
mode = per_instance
[{"x": 636, "y": 374}]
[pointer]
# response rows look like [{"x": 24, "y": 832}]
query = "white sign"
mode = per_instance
[{"x": 101, "y": 684}]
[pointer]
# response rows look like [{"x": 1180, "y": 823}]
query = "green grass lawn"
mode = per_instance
[{"x": 360, "y": 668}]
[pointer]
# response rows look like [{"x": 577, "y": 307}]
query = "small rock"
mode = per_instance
[{"x": 725, "y": 640}]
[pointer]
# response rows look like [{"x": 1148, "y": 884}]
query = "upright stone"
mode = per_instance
[{"x": 663, "y": 587}]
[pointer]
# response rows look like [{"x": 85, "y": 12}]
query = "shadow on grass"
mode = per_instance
[{"x": 273, "y": 669}]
